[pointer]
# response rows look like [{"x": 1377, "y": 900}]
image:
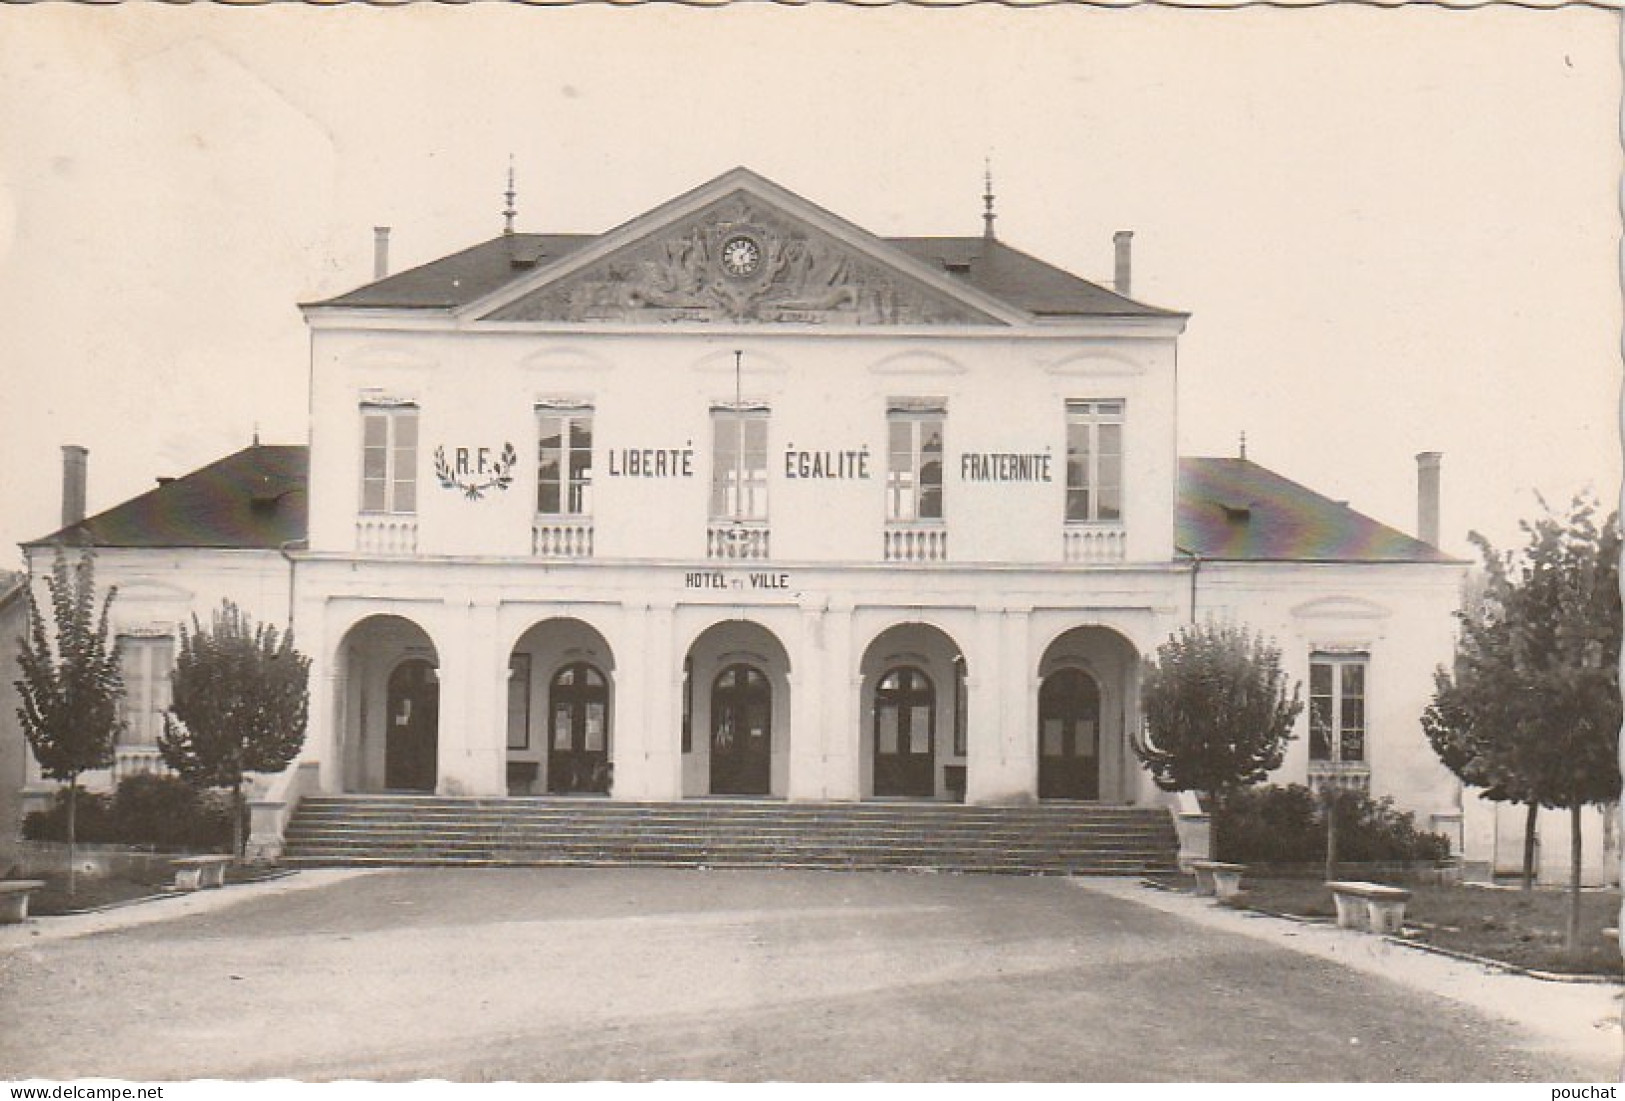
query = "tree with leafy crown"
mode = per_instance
[
  {"x": 71, "y": 683},
  {"x": 1218, "y": 713},
  {"x": 1469, "y": 722},
  {"x": 239, "y": 704},
  {"x": 1533, "y": 707}
]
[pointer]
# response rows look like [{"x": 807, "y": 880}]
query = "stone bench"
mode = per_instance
[
  {"x": 193, "y": 872},
  {"x": 14, "y": 899},
  {"x": 1372, "y": 907},
  {"x": 1215, "y": 877}
]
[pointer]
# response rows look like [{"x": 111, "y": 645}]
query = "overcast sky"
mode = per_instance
[{"x": 1395, "y": 230}]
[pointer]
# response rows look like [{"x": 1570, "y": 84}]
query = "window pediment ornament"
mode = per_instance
[
  {"x": 1098, "y": 363},
  {"x": 918, "y": 363},
  {"x": 741, "y": 260},
  {"x": 917, "y": 405},
  {"x": 1340, "y": 607},
  {"x": 373, "y": 397},
  {"x": 148, "y": 630},
  {"x": 150, "y": 590},
  {"x": 391, "y": 357},
  {"x": 567, "y": 361}
]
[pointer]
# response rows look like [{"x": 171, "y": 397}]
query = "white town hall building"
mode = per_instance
[{"x": 737, "y": 499}]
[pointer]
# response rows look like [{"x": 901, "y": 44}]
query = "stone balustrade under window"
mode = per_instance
[
  {"x": 135, "y": 760},
  {"x": 919, "y": 542},
  {"x": 1343, "y": 775},
  {"x": 736, "y": 539},
  {"x": 561, "y": 537},
  {"x": 1094, "y": 543},
  {"x": 381, "y": 533}
]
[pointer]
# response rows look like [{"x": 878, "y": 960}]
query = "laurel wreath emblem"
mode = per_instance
[{"x": 501, "y": 473}]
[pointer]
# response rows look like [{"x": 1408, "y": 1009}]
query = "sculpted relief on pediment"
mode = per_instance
[{"x": 740, "y": 261}]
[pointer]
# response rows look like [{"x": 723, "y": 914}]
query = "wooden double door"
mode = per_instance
[
  {"x": 905, "y": 728},
  {"x": 1069, "y": 736},
  {"x": 578, "y": 731},
  {"x": 741, "y": 732},
  {"x": 412, "y": 731}
]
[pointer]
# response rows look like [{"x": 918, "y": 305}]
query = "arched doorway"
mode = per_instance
[
  {"x": 1069, "y": 736},
  {"x": 578, "y": 731},
  {"x": 905, "y": 733},
  {"x": 387, "y": 706},
  {"x": 412, "y": 737},
  {"x": 741, "y": 732},
  {"x": 736, "y": 730},
  {"x": 912, "y": 734},
  {"x": 561, "y": 710}
]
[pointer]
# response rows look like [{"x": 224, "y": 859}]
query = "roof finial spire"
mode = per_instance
[
  {"x": 1243, "y": 454},
  {"x": 987, "y": 198},
  {"x": 509, "y": 213}
]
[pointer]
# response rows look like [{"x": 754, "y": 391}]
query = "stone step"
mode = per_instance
[
  {"x": 732, "y": 814},
  {"x": 745, "y": 858},
  {"x": 979, "y": 852},
  {"x": 697, "y": 829},
  {"x": 1077, "y": 838}
]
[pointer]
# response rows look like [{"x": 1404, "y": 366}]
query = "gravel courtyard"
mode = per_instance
[{"x": 564, "y": 975}]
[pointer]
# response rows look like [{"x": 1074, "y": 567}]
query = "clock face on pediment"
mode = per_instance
[
  {"x": 741, "y": 256},
  {"x": 741, "y": 259}
]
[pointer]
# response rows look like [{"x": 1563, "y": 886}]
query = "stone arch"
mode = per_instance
[
  {"x": 560, "y": 713},
  {"x": 736, "y": 728},
  {"x": 1087, "y": 689},
  {"x": 388, "y": 705},
  {"x": 897, "y": 758}
]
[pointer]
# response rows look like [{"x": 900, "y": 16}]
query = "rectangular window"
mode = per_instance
[
  {"x": 688, "y": 705},
  {"x": 389, "y": 458},
  {"x": 1337, "y": 685},
  {"x": 519, "y": 701},
  {"x": 564, "y": 463},
  {"x": 914, "y": 462},
  {"x": 1094, "y": 461},
  {"x": 959, "y": 707},
  {"x": 739, "y": 464},
  {"x": 146, "y": 664}
]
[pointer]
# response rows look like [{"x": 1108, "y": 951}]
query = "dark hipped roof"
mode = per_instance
[
  {"x": 463, "y": 277},
  {"x": 1008, "y": 274},
  {"x": 254, "y": 499},
  {"x": 1229, "y": 510},
  {"x": 989, "y": 265},
  {"x": 1236, "y": 510}
]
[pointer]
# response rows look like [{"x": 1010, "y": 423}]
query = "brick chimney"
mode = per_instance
[
  {"x": 73, "y": 483},
  {"x": 1427, "y": 497},
  {"x": 1123, "y": 239},
  {"x": 380, "y": 251}
]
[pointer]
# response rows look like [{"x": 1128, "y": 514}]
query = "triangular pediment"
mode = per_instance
[{"x": 744, "y": 252}]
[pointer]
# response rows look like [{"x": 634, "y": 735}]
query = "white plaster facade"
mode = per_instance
[{"x": 786, "y": 631}]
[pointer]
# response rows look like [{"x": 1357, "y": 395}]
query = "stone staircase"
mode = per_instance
[{"x": 1047, "y": 839}]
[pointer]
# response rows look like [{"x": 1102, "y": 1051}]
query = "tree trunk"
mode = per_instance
[
  {"x": 73, "y": 860},
  {"x": 1529, "y": 846},
  {"x": 237, "y": 819},
  {"x": 1571, "y": 936}
]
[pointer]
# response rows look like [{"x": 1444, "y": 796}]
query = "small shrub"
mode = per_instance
[
  {"x": 155, "y": 809},
  {"x": 1273, "y": 824},
  {"x": 1372, "y": 831},
  {"x": 211, "y": 826},
  {"x": 93, "y": 819}
]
